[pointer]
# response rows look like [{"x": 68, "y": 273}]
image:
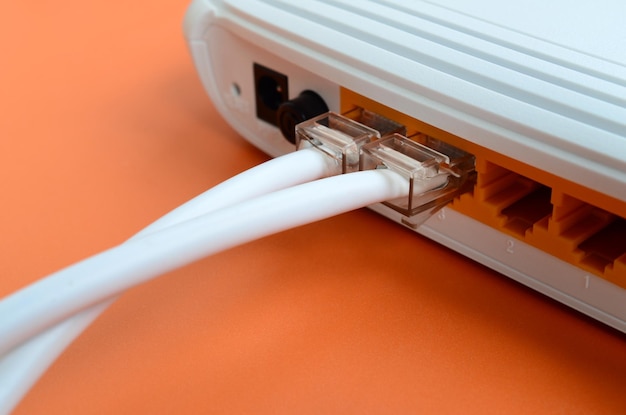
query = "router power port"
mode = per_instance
[
  {"x": 274, "y": 106},
  {"x": 271, "y": 89}
]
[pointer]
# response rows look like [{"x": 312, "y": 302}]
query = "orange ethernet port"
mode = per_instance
[
  {"x": 602, "y": 249},
  {"x": 506, "y": 200},
  {"x": 585, "y": 236}
]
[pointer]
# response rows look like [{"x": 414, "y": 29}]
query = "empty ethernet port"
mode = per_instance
[
  {"x": 510, "y": 201},
  {"x": 528, "y": 210},
  {"x": 604, "y": 247}
]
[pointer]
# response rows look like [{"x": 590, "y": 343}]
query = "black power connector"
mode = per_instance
[{"x": 305, "y": 106}]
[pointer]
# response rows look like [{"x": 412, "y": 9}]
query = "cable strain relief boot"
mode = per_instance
[{"x": 305, "y": 106}]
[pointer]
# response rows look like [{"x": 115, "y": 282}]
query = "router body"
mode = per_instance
[{"x": 536, "y": 91}]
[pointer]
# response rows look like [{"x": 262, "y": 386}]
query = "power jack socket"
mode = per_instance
[
  {"x": 274, "y": 106},
  {"x": 271, "y": 90}
]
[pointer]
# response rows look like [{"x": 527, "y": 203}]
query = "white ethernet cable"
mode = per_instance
[
  {"x": 62, "y": 294},
  {"x": 401, "y": 168},
  {"x": 275, "y": 174},
  {"x": 66, "y": 292},
  {"x": 23, "y": 365}
]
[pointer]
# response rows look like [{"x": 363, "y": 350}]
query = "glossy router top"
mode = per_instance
[{"x": 529, "y": 81}]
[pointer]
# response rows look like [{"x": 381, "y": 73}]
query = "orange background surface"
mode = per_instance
[{"x": 104, "y": 126}]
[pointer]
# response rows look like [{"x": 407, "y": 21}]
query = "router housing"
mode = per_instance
[{"x": 535, "y": 91}]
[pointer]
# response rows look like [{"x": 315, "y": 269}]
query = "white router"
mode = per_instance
[{"x": 535, "y": 91}]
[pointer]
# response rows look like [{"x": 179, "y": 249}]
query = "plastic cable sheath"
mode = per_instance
[
  {"x": 22, "y": 366},
  {"x": 49, "y": 301}
]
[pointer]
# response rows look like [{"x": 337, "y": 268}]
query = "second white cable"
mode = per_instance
[{"x": 68, "y": 291}]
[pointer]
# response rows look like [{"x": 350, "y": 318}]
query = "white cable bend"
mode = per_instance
[
  {"x": 275, "y": 174},
  {"x": 49, "y": 301},
  {"x": 279, "y": 173},
  {"x": 20, "y": 368}
]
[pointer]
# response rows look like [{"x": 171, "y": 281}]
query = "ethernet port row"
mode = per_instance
[
  {"x": 564, "y": 226},
  {"x": 537, "y": 210}
]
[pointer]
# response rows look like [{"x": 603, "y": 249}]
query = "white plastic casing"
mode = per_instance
[{"x": 525, "y": 80}]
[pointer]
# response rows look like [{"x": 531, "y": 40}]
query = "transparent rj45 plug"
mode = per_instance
[
  {"x": 339, "y": 137},
  {"x": 437, "y": 172}
]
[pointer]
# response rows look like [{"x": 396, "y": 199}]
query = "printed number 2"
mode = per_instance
[{"x": 510, "y": 246}]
